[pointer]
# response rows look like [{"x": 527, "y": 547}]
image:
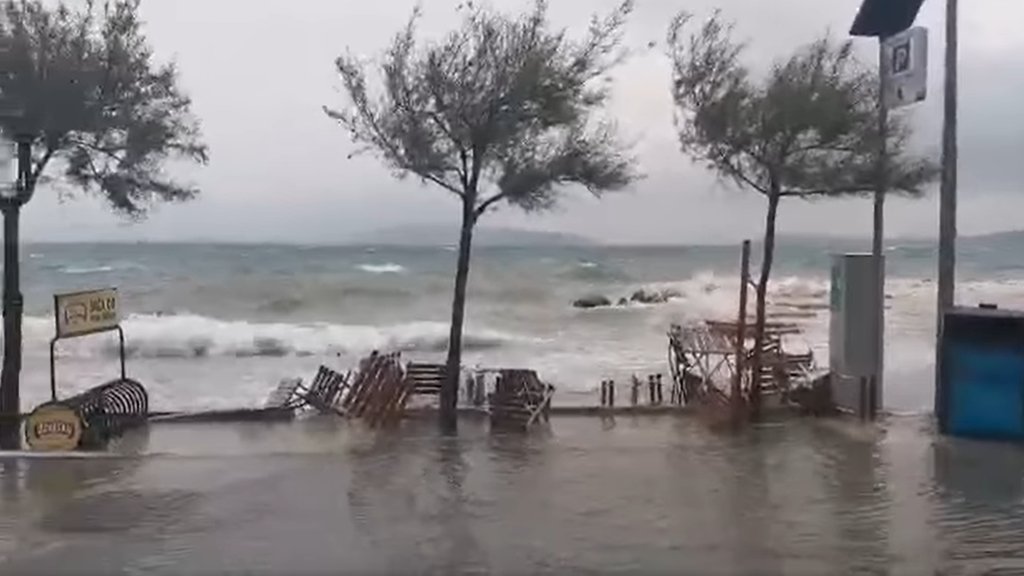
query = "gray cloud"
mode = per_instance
[{"x": 259, "y": 74}]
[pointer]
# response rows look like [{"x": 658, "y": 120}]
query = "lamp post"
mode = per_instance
[{"x": 12, "y": 198}]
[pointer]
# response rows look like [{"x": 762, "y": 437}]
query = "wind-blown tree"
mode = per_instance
[
  {"x": 504, "y": 110},
  {"x": 101, "y": 114},
  {"x": 808, "y": 129},
  {"x": 92, "y": 111}
]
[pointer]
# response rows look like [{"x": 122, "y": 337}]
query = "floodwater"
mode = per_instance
[{"x": 630, "y": 495}]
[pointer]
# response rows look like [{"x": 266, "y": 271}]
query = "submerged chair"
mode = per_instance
[
  {"x": 285, "y": 396},
  {"x": 323, "y": 395},
  {"x": 520, "y": 399},
  {"x": 325, "y": 392}
]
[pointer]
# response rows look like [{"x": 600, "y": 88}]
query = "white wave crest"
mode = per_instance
[
  {"x": 387, "y": 268},
  {"x": 193, "y": 336},
  {"x": 88, "y": 270}
]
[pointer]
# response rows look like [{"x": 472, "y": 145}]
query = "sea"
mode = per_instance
[{"x": 215, "y": 326}]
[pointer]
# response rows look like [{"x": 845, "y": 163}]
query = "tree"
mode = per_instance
[
  {"x": 90, "y": 110},
  {"x": 809, "y": 129},
  {"x": 503, "y": 110}
]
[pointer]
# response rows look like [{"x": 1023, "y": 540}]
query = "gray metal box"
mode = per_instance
[{"x": 855, "y": 346}]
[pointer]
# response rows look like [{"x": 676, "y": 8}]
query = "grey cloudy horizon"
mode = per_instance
[{"x": 259, "y": 74}]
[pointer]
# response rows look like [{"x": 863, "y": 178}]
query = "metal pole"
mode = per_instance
[
  {"x": 10, "y": 385},
  {"x": 947, "y": 191},
  {"x": 878, "y": 227}
]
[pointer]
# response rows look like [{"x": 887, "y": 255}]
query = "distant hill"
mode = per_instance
[
  {"x": 431, "y": 235},
  {"x": 1010, "y": 236}
]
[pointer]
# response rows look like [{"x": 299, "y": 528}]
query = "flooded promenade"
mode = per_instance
[{"x": 655, "y": 494}]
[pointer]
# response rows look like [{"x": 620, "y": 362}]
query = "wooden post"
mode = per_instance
[{"x": 741, "y": 333}]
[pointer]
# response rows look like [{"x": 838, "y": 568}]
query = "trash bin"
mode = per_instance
[{"x": 981, "y": 379}]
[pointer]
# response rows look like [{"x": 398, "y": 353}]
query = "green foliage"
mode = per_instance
[
  {"x": 501, "y": 109},
  {"x": 808, "y": 129},
  {"x": 89, "y": 96}
]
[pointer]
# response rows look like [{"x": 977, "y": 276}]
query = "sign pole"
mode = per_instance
[
  {"x": 878, "y": 228},
  {"x": 948, "y": 188}
]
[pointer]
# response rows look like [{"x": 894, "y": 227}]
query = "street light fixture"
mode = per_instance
[{"x": 8, "y": 173}]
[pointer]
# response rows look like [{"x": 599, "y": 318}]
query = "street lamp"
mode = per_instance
[{"x": 14, "y": 192}]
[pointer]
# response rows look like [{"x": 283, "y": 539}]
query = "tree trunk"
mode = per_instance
[
  {"x": 762, "y": 293},
  {"x": 450, "y": 388}
]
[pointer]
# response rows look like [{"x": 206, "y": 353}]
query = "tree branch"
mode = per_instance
[
  {"x": 839, "y": 190},
  {"x": 41, "y": 164},
  {"x": 442, "y": 183},
  {"x": 483, "y": 207}
]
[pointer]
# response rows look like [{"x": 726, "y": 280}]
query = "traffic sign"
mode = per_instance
[{"x": 905, "y": 66}]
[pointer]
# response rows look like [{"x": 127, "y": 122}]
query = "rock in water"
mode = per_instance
[
  {"x": 645, "y": 297},
  {"x": 654, "y": 297},
  {"x": 593, "y": 301}
]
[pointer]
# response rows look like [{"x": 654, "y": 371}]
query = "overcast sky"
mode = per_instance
[{"x": 260, "y": 71}]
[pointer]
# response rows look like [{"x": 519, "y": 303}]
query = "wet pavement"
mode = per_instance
[{"x": 633, "y": 495}]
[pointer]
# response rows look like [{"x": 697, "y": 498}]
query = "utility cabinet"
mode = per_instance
[{"x": 855, "y": 346}]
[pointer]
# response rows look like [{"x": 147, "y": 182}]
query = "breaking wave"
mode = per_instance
[{"x": 193, "y": 336}]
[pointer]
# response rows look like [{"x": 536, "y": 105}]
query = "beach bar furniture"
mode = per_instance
[
  {"x": 323, "y": 395},
  {"x": 285, "y": 396},
  {"x": 379, "y": 391},
  {"x": 90, "y": 419},
  {"x": 426, "y": 379},
  {"x": 103, "y": 413},
  {"x": 520, "y": 400},
  {"x": 702, "y": 361},
  {"x": 981, "y": 374}
]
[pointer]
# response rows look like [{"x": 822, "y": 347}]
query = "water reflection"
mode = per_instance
[
  {"x": 649, "y": 495},
  {"x": 458, "y": 546},
  {"x": 748, "y": 502},
  {"x": 978, "y": 509},
  {"x": 855, "y": 479}
]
